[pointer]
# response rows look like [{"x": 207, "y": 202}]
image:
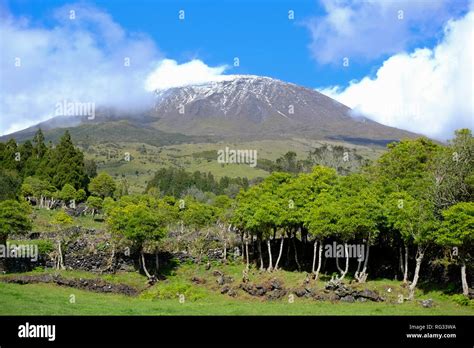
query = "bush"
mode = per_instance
[
  {"x": 173, "y": 291},
  {"x": 461, "y": 300},
  {"x": 44, "y": 246}
]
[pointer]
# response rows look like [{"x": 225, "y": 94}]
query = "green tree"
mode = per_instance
[
  {"x": 415, "y": 221},
  {"x": 10, "y": 183},
  {"x": 61, "y": 220},
  {"x": 64, "y": 164},
  {"x": 454, "y": 171},
  {"x": 359, "y": 214},
  {"x": 139, "y": 224},
  {"x": 94, "y": 204},
  {"x": 103, "y": 185},
  {"x": 457, "y": 231},
  {"x": 39, "y": 148},
  {"x": 39, "y": 190},
  {"x": 81, "y": 195},
  {"x": 407, "y": 166},
  {"x": 14, "y": 218},
  {"x": 68, "y": 193},
  {"x": 322, "y": 223}
]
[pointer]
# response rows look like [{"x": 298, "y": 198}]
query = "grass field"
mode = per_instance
[{"x": 205, "y": 299}]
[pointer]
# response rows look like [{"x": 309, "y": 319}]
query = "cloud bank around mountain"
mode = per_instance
[
  {"x": 86, "y": 59},
  {"x": 429, "y": 91}
]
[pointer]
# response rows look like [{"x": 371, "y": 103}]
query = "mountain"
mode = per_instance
[
  {"x": 240, "y": 107},
  {"x": 247, "y": 106}
]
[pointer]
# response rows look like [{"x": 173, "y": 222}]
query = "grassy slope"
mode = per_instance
[
  {"x": 138, "y": 171},
  {"x": 42, "y": 221},
  {"x": 46, "y": 299}
]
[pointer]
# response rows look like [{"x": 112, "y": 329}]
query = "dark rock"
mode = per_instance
[
  {"x": 276, "y": 294},
  {"x": 348, "y": 298},
  {"x": 96, "y": 285},
  {"x": 427, "y": 303},
  {"x": 221, "y": 280},
  {"x": 333, "y": 284},
  {"x": 369, "y": 294},
  {"x": 300, "y": 292},
  {"x": 276, "y": 284},
  {"x": 343, "y": 291},
  {"x": 197, "y": 280}
]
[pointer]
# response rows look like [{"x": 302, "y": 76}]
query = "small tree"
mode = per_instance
[
  {"x": 61, "y": 220},
  {"x": 321, "y": 222},
  {"x": 68, "y": 194},
  {"x": 415, "y": 221},
  {"x": 81, "y": 195},
  {"x": 139, "y": 224},
  {"x": 457, "y": 230},
  {"x": 94, "y": 204},
  {"x": 103, "y": 185},
  {"x": 14, "y": 218}
]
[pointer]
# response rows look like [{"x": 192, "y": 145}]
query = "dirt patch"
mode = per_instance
[{"x": 95, "y": 285}]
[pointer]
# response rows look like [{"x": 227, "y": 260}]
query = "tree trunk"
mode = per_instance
[
  {"x": 270, "y": 261},
  {"x": 243, "y": 245},
  {"x": 142, "y": 255},
  {"x": 280, "y": 252},
  {"x": 287, "y": 260},
  {"x": 296, "y": 251},
  {"x": 225, "y": 250},
  {"x": 247, "y": 253},
  {"x": 60, "y": 256},
  {"x": 465, "y": 286},
  {"x": 337, "y": 264},
  {"x": 401, "y": 261},
  {"x": 110, "y": 263},
  {"x": 419, "y": 259},
  {"x": 405, "y": 275},
  {"x": 319, "y": 259},
  {"x": 347, "y": 263},
  {"x": 313, "y": 268},
  {"x": 157, "y": 262},
  {"x": 259, "y": 246},
  {"x": 3, "y": 263},
  {"x": 362, "y": 276},
  {"x": 304, "y": 240}
]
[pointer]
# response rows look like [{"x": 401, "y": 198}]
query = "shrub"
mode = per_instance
[{"x": 461, "y": 300}]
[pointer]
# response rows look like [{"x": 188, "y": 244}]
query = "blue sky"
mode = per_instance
[
  {"x": 308, "y": 50},
  {"x": 259, "y": 33}
]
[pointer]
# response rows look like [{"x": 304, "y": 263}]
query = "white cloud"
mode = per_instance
[
  {"x": 169, "y": 74},
  {"x": 368, "y": 29},
  {"x": 81, "y": 60},
  {"x": 429, "y": 91}
]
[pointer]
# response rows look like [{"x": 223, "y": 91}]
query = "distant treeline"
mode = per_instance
[
  {"x": 177, "y": 182},
  {"x": 343, "y": 159},
  {"x": 59, "y": 165}
]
